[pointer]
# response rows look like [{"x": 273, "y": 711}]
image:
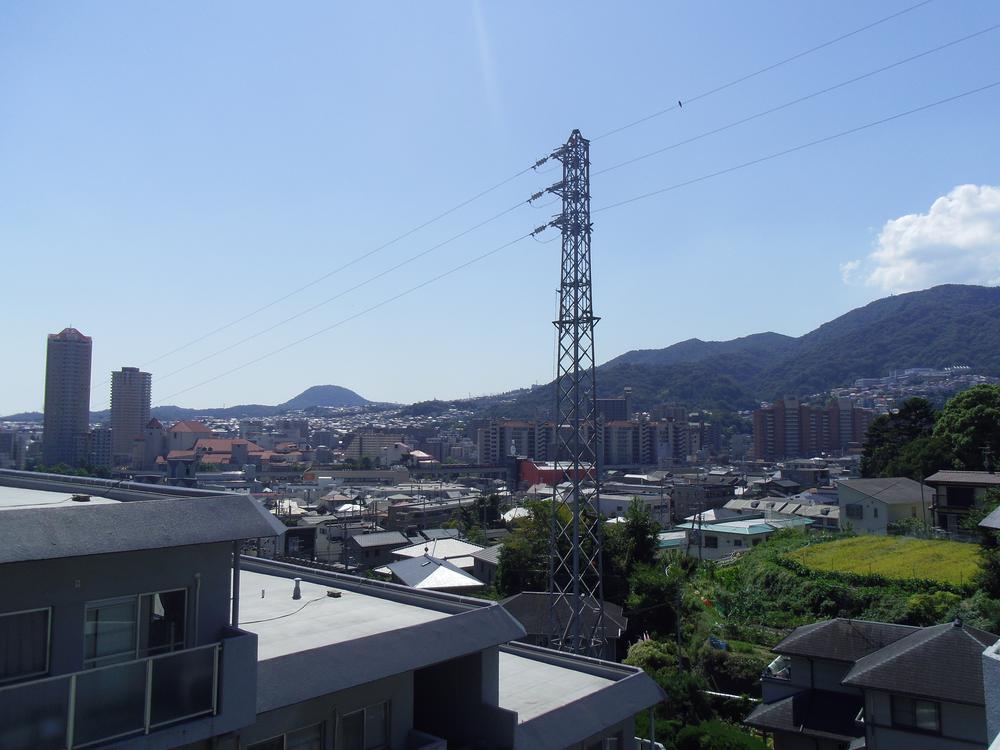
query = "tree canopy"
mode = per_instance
[
  {"x": 891, "y": 448},
  {"x": 970, "y": 423}
]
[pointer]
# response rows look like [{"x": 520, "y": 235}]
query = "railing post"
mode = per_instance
[
  {"x": 149, "y": 695},
  {"x": 71, "y": 712},
  {"x": 215, "y": 679}
]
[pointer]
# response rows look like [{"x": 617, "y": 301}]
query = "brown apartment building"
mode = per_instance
[{"x": 790, "y": 429}]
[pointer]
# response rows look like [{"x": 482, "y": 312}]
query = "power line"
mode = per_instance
[
  {"x": 618, "y": 204},
  {"x": 799, "y": 100},
  {"x": 354, "y": 261},
  {"x": 500, "y": 184},
  {"x": 383, "y": 303},
  {"x": 800, "y": 147},
  {"x": 342, "y": 293},
  {"x": 748, "y": 76}
]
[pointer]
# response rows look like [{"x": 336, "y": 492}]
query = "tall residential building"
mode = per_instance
[
  {"x": 131, "y": 393},
  {"x": 67, "y": 397},
  {"x": 791, "y": 429}
]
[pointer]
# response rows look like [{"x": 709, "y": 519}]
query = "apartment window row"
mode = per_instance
[{"x": 114, "y": 630}]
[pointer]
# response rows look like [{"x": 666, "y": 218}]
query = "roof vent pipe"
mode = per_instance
[{"x": 297, "y": 594}]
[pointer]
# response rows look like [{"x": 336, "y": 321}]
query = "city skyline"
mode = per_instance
[{"x": 242, "y": 176}]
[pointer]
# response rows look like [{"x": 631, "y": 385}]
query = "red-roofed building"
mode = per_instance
[{"x": 183, "y": 435}]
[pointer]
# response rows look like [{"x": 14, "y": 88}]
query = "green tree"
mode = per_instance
[
  {"x": 932, "y": 609},
  {"x": 921, "y": 457},
  {"x": 716, "y": 735},
  {"x": 652, "y": 600},
  {"x": 890, "y": 433},
  {"x": 524, "y": 559},
  {"x": 970, "y": 422}
]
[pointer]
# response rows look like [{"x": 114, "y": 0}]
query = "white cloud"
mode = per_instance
[
  {"x": 956, "y": 241},
  {"x": 848, "y": 269}
]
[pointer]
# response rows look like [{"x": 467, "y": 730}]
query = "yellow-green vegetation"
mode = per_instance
[{"x": 897, "y": 557}]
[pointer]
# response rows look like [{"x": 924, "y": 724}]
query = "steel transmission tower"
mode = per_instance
[{"x": 576, "y": 594}]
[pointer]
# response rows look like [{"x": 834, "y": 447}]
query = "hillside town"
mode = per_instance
[{"x": 640, "y": 366}]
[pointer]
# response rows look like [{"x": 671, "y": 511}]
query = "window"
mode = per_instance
[
  {"x": 367, "y": 729},
  {"x": 916, "y": 714},
  {"x": 875, "y": 512},
  {"x": 109, "y": 632},
  {"x": 854, "y": 510},
  {"x": 24, "y": 644},
  {"x": 309, "y": 738},
  {"x": 712, "y": 542},
  {"x": 737, "y": 542},
  {"x": 133, "y": 627},
  {"x": 162, "y": 616}
]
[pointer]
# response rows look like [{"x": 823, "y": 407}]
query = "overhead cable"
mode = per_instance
[{"x": 772, "y": 66}]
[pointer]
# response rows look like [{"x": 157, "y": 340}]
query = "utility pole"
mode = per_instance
[{"x": 576, "y": 592}]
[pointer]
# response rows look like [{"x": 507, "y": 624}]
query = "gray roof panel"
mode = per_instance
[
  {"x": 40, "y": 534},
  {"x": 841, "y": 639},
  {"x": 942, "y": 662},
  {"x": 890, "y": 490}
]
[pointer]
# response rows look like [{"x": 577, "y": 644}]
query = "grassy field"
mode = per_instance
[{"x": 894, "y": 557}]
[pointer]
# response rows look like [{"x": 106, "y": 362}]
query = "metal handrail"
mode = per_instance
[{"x": 147, "y": 723}]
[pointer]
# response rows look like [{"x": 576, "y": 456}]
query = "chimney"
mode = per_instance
[{"x": 297, "y": 594}]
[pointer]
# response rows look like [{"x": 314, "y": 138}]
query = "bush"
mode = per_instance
[{"x": 716, "y": 735}]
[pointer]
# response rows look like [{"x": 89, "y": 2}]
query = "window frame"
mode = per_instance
[
  {"x": 139, "y": 650},
  {"x": 895, "y": 714},
  {"x": 364, "y": 724},
  {"x": 283, "y": 736},
  {"x": 27, "y": 676}
]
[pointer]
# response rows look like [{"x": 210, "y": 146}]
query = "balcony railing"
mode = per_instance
[{"x": 97, "y": 705}]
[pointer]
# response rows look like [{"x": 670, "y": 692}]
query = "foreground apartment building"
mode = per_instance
[{"x": 130, "y": 619}]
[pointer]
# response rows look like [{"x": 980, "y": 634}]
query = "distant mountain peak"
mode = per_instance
[{"x": 324, "y": 395}]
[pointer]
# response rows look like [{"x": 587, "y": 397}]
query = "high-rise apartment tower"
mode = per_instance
[
  {"x": 67, "y": 397},
  {"x": 130, "y": 400}
]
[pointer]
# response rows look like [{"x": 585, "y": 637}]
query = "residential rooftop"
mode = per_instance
[
  {"x": 285, "y": 625},
  {"x": 748, "y": 527},
  {"x": 975, "y": 478},
  {"x": 889, "y": 490}
]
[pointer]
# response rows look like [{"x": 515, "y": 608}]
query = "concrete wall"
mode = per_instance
[
  {"x": 829, "y": 674},
  {"x": 457, "y": 698},
  {"x": 398, "y": 690},
  {"x": 962, "y": 727},
  {"x": 727, "y": 544},
  {"x": 886, "y": 514},
  {"x": 991, "y": 685},
  {"x": 68, "y": 584},
  {"x": 875, "y": 514}
]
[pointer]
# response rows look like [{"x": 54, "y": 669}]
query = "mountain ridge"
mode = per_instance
[
  {"x": 945, "y": 325},
  {"x": 311, "y": 398}
]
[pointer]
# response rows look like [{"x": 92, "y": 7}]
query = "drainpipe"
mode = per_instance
[
  {"x": 234, "y": 618},
  {"x": 197, "y": 607}
]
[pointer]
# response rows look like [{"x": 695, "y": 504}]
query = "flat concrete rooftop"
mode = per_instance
[
  {"x": 532, "y": 688},
  {"x": 20, "y": 497},
  {"x": 285, "y": 626}
]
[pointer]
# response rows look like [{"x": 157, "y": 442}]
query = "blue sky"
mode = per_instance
[{"x": 168, "y": 168}]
